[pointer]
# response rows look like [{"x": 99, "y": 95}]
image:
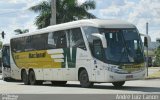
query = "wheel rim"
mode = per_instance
[
  {"x": 24, "y": 77},
  {"x": 84, "y": 78}
]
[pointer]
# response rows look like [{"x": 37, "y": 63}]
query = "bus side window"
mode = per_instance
[
  {"x": 98, "y": 49},
  {"x": 28, "y": 46},
  {"x": 61, "y": 39},
  {"x": 76, "y": 39},
  {"x": 39, "y": 42},
  {"x": 13, "y": 45},
  {"x": 51, "y": 40}
]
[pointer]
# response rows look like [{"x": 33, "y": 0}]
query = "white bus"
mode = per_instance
[
  {"x": 89, "y": 51},
  {"x": 6, "y": 68}
]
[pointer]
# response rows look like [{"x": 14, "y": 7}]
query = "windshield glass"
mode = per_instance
[
  {"x": 123, "y": 46},
  {"x": 6, "y": 56}
]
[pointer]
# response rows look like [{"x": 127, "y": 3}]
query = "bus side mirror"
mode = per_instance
[
  {"x": 147, "y": 39},
  {"x": 145, "y": 42},
  {"x": 102, "y": 38}
]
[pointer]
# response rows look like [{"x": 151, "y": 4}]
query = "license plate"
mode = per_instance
[{"x": 129, "y": 76}]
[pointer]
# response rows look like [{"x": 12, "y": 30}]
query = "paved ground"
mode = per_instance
[{"x": 138, "y": 86}]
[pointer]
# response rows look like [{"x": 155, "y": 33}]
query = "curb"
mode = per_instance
[
  {"x": 151, "y": 78},
  {"x": 153, "y": 67}
]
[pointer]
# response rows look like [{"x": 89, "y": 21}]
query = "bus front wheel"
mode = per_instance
[
  {"x": 25, "y": 77},
  {"x": 84, "y": 80},
  {"x": 118, "y": 84}
]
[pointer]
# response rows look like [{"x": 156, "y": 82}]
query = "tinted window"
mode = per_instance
[
  {"x": 6, "y": 56},
  {"x": 29, "y": 43},
  {"x": 89, "y": 31},
  {"x": 61, "y": 39},
  {"x": 39, "y": 42},
  {"x": 52, "y": 40},
  {"x": 76, "y": 38},
  {"x": 57, "y": 40}
]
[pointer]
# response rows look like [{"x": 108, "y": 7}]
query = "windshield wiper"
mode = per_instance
[{"x": 126, "y": 51}]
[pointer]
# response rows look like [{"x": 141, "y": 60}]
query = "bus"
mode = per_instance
[
  {"x": 6, "y": 68},
  {"x": 89, "y": 51}
]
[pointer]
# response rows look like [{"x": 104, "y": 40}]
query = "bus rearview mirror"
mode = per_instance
[
  {"x": 147, "y": 39},
  {"x": 145, "y": 42},
  {"x": 102, "y": 37}
]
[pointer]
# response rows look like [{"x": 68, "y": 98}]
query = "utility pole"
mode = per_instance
[
  {"x": 147, "y": 47},
  {"x": 53, "y": 12}
]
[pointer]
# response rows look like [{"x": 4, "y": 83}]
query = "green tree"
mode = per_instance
[
  {"x": 67, "y": 10},
  {"x": 0, "y": 44},
  {"x": 20, "y": 31},
  {"x": 157, "y": 59}
]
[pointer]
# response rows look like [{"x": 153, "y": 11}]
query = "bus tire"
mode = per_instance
[
  {"x": 118, "y": 84},
  {"x": 59, "y": 83},
  {"x": 6, "y": 79},
  {"x": 39, "y": 82},
  {"x": 32, "y": 78},
  {"x": 25, "y": 77},
  {"x": 84, "y": 80}
]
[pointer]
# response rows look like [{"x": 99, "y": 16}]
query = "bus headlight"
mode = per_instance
[{"x": 115, "y": 69}]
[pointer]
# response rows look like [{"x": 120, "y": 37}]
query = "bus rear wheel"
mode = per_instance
[
  {"x": 59, "y": 82},
  {"x": 32, "y": 78},
  {"x": 84, "y": 80},
  {"x": 25, "y": 78},
  {"x": 118, "y": 84}
]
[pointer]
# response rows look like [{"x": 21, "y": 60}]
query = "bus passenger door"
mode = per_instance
[
  {"x": 69, "y": 64},
  {"x": 98, "y": 69}
]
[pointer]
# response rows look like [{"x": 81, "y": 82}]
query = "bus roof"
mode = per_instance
[
  {"x": 6, "y": 44},
  {"x": 105, "y": 23}
]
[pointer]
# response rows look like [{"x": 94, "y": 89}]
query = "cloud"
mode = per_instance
[
  {"x": 14, "y": 14},
  {"x": 137, "y": 12}
]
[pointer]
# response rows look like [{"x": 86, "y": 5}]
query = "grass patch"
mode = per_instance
[
  {"x": 155, "y": 75},
  {"x": 153, "y": 67}
]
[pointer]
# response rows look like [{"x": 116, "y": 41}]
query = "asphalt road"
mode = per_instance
[
  {"x": 130, "y": 87},
  {"x": 138, "y": 86}
]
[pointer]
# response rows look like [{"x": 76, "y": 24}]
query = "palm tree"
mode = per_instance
[
  {"x": 20, "y": 31},
  {"x": 67, "y": 10}
]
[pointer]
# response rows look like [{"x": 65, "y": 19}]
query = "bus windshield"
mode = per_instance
[
  {"x": 123, "y": 46},
  {"x": 6, "y": 57}
]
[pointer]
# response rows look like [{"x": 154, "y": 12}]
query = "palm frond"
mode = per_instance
[
  {"x": 67, "y": 10},
  {"x": 43, "y": 20},
  {"x": 41, "y": 7},
  {"x": 88, "y": 5}
]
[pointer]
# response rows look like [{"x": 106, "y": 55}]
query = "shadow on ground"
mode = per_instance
[{"x": 110, "y": 87}]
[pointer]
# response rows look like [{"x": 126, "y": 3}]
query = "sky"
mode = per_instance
[{"x": 14, "y": 14}]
